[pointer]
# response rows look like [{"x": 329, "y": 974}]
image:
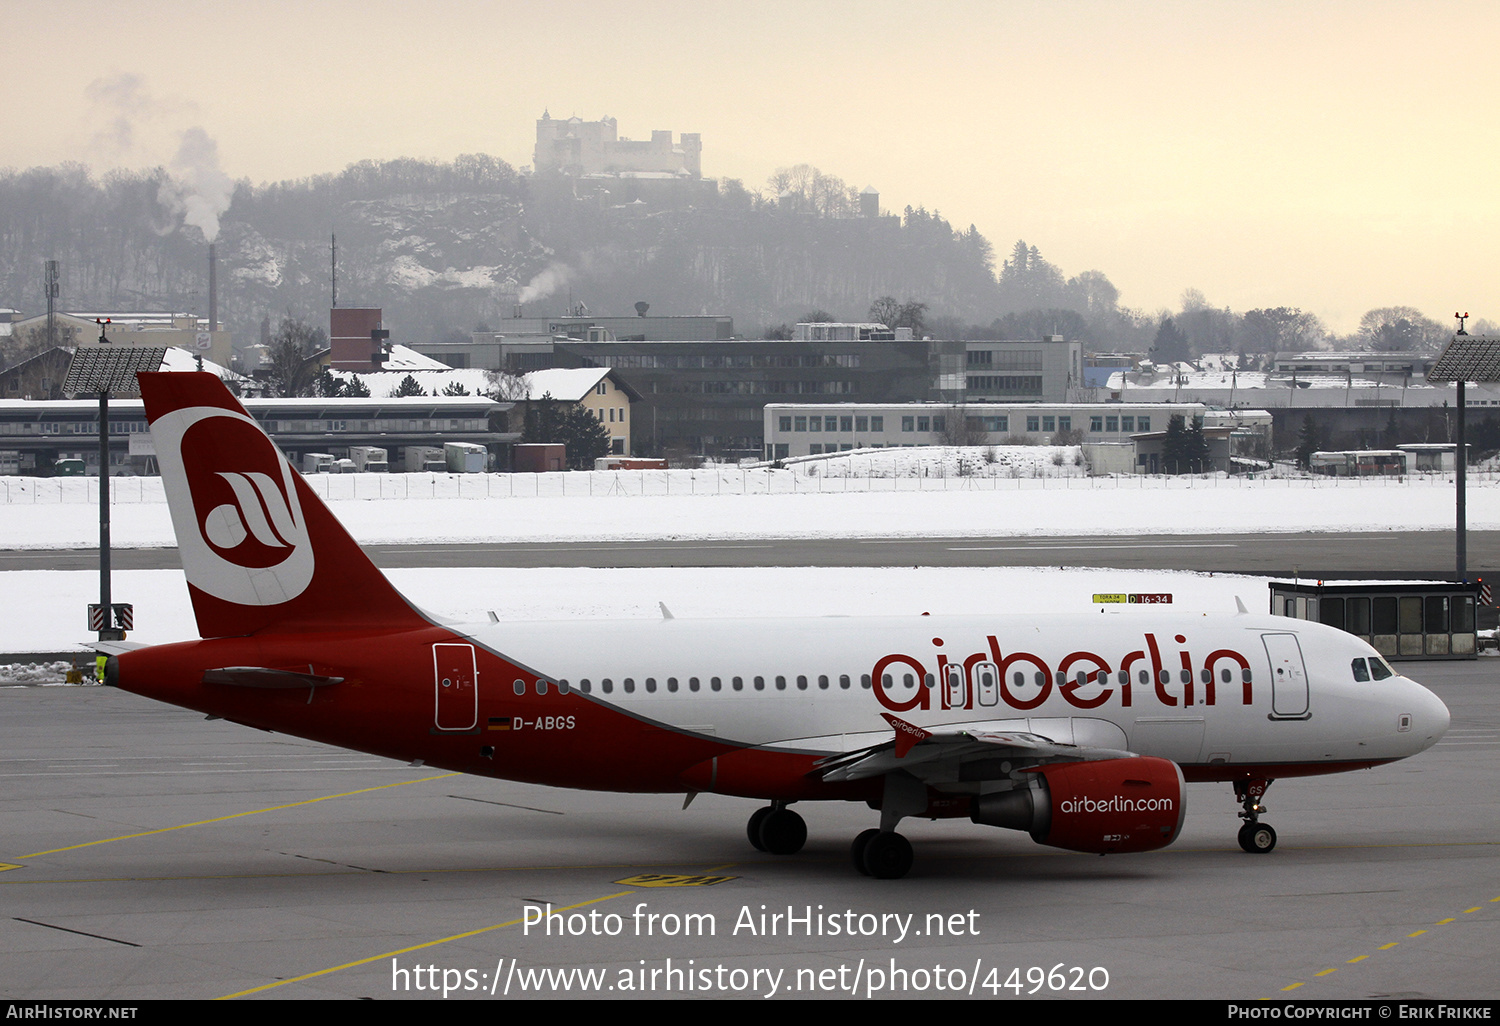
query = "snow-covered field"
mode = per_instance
[{"x": 714, "y": 504}]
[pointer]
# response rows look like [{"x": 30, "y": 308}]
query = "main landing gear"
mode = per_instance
[
  {"x": 776, "y": 830},
  {"x": 1256, "y": 837},
  {"x": 883, "y": 854}
]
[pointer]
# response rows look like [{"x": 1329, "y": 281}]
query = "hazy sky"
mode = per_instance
[{"x": 1331, "y": 156}]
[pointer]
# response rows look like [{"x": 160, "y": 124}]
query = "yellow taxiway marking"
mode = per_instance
[
  {"x": 1442, "y": 922},
  {"x": 1358, "y": 958},
  {"x": 1387, "y": 947},
  {"x": 1417, "y": 934},
  {"x": 414, "y": 947},
  {"x": 235, "y": 815},
  {"x": 1325, "y": 972},
  {"x": 1476, "y": 908},
  {"x": 1293, "y": 986}
]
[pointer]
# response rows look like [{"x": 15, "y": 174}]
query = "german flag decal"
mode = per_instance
[{"x": 499, "y": 722}]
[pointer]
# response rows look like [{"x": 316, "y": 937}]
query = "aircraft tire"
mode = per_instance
[
  {"x": 752, "y": 828},
  {"x": 782, "y": 832},
  {"x": 857, "y": 849},
  {"x": 1257, "y": 838},
  {"x": 888, "y": 856}
]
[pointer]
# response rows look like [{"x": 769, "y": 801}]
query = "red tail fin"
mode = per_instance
[{"x": 259, "y": 547}]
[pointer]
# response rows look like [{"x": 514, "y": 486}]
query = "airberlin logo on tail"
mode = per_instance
[{"x": 234, "y": 506}]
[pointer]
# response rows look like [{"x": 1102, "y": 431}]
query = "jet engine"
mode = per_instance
[{"x": 1109, "y": 806}]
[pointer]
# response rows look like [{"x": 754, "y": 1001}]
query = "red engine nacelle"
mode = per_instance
[{"x": 1114, "y": 805}]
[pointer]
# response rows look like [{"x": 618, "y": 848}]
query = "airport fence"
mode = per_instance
[{"x": 708, "y": 481}]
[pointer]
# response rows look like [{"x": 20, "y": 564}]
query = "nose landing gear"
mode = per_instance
[{"x": 1255, "y": 837}]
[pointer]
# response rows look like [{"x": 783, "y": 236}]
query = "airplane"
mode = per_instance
[{"x": 1082, "y": 730}]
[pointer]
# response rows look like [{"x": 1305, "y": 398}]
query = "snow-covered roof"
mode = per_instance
[
  {"x": 569, "y": 384},
  {"x": 178, "y": 359},
  {"x": 404, "y": 358}
]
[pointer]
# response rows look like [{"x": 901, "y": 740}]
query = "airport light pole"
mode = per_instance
[
  {"x": 106, "y": 367},
  {"x": 1466, "y": 358}
]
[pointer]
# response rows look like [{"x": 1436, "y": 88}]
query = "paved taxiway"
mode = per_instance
[
  {"x": 158, "y": 855},
  {"x": 1389, "y": 554}
]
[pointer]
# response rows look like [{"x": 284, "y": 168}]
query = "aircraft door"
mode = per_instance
[
  {"x": 456, "y": 687},
  {"x": 1288, "y": 677},
  {"x": 955, "y": 692},
  {"x": 987, "y": 684}
]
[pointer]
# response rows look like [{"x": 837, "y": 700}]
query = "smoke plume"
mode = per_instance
[
  {"x": 198, "y": 188},
  {"x": 555, "y": 276}
]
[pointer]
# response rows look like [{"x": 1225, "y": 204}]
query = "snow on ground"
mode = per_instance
[
  {"x": 46, "y": 609},
  {"x": 710, "y": 505}
]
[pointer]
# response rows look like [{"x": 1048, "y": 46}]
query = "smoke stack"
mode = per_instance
[{"x": 213, "y": 288}]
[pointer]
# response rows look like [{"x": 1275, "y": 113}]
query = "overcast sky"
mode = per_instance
[{"x": 1330, "y": 156}]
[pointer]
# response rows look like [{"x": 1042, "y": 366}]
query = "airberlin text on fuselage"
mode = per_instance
[{"x": 1084, "y": 679}]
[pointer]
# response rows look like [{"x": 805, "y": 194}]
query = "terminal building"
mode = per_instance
[
  {"x": 708, "y": 396},
  {"x": 34, "y": 436}
]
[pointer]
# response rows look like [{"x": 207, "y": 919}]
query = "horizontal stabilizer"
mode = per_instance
[{"x": 262, "y": 677}]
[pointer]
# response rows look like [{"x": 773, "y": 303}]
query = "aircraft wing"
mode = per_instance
[{"x": 956, "y": 754}]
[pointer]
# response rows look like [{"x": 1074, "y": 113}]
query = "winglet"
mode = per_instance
[{"x": 907, "y": 734}]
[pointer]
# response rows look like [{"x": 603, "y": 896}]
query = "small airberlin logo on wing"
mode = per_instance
[{"x": 234, "y": 506}]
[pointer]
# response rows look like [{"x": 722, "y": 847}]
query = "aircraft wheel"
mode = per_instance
[
  {"x": 857, "y": 849},
  {"x": 752, "y": 828},
  {"x": 1257, "y": 838},
  {"x": 782, "y": 832},
  {"x": 888, "y": 856}
]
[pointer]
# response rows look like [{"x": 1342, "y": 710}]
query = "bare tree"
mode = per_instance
[{"x": 293, "y": 372}]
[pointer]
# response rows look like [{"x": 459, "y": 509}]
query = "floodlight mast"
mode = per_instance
[{"x": 107, "y": 631}]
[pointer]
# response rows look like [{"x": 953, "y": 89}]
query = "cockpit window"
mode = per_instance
[
  {"x": 1361, "y": 671},
  {"x": 1379, "y": 670}
]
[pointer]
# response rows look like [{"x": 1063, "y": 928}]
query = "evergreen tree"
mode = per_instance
[{"x": 407, "y": 388}]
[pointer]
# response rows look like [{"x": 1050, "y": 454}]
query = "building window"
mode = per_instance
[
  {"x": 846, "y": 423},
  {"x": 1033, "y": 423},
  {"x": 908, "y": 423},
  {"x": 801, "y": 423},
  {"x": 785, "y": 423},
  {"x": 1065, "y": 423},
  {"x": 1143, "y": 423},
  {"x": 1049, "y": 424},
  {"x": 877, "y": 423},
  {"x": 1096, "y": 423},
  {"x": 1111, "y": 424},
  {"x": 861, "y": 424},
  {"x": 924, "y": 423},
  {"x": 939, "y": 424}
]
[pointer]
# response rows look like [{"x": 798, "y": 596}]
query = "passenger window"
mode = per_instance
[
  {"x": 1225, "y": 675},
  {"x": 1207, "y": 675},
  {"x": 716, "y": 683},
  {"x": 1165, "y": 677},
  {"x": 823, "y": 682},
  {"x": 928, "y": 680},
  {"x": 520, "y": 687},
  {"x": 672, "y": 684},
  {"x": 650, "y": 685},
  {"x": 692, "y": 683},
  {"x": 1144, "y": 676},
  {"x": 865, "y": 682},
  {"x": 541, "y": 687},
  {"x": 607, "y": 684},
  {"x": 1186, "y": 676},
  {"x": 562, "y": 687},
  {"x": 1361, "y": 671},
  {"x": 585, "y": 686},
  {"x": 780, "y": 683},
  {"x": 1246, "y": 675},
  {"x": 844, "y": 681},
  {"x": 908, "y": 680},
  {"x": 738, "y": 684},
  {"x": 1018, "y": 679},
  {"x": 1041, "y": 678},
  {"x": 760, "y": 683},
  {"x": 1062, "y": 678},
  {"x": 801, "y": 682},
  {"x": 1124, "y": 677},
  {"x": 630, "y": 685}
]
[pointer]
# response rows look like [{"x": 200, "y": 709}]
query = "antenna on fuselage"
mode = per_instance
[{"x": 1240, "y": 605}]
